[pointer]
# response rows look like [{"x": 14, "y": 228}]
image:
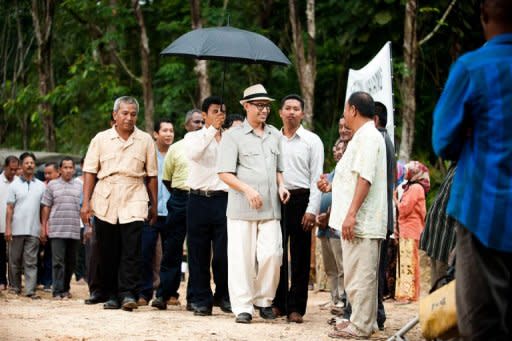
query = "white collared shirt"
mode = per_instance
[
  {"x": 303, "y": 156},
  {"x": 201, "y": 149},
  {"x": 4, "y": 186}
]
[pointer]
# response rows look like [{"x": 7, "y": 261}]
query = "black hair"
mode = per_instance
[
  {"x": 382, "y": 113},
  {"x": 52, "y": 164},
  {"x": 499, "y": 10},
  {"x": 363, "y": 102},
  {"x": 209, "y": 101},
  {"x": 158, "y": 124},
  {"x": 232, "y": 118},
  {"x": 293, "y": 96},
  {"x": 65, "y": 158},
  {"x": 24, "y": 155},
  {"x": 9, "y": 159}
]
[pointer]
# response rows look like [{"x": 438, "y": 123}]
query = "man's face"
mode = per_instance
[
  {"x": 344, "y": 130},
  {"x": 349, "y": 115},
  {"x": 214, "y": 111},
  {"x": 28, "y": 165},
  {"x": 125, "y": 117},
  {"x": 50, "y": 173},
  {"x": 67, "y": 170},
  {"x": 165, "y": 135},
  {"x": 195, "y": 123},
  {"x": 291, "y": 113},
  {"x": 11, "y": 169},
  {"x": 337, "y": 151},
  {"x": 257, "y": 111}
]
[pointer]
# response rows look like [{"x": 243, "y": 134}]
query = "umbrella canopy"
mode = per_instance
[{"x": 228, "y": 44}]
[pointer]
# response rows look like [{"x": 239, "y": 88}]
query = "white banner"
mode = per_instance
[{"x": 375, "y": 78}]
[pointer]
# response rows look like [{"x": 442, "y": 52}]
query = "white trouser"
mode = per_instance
[{"x": 255, "y": 254}]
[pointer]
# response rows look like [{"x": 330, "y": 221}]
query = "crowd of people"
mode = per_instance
[{"x": 246, "y": 198}]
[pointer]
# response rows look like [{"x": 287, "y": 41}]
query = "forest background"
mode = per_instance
[{"x": 64, "y": 62}]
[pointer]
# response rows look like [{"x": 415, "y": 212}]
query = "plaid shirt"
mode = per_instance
[
  {"x": 438, "y": 238},
  {"x": 472, "y": 123}
]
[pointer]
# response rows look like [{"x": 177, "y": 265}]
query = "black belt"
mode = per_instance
[
  {"x": 207, "y": 194},
  {"x": 299, "y": 191},
  {"x": 177, "y": 191}
]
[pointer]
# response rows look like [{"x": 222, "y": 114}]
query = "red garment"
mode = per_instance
[{"x": 411, "y": 212}]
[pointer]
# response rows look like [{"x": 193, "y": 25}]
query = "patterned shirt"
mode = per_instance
[
  {"x": 63, "y": 197},
  {"x": 472, "y": 123},
  {"x": 438, "y": 238}
]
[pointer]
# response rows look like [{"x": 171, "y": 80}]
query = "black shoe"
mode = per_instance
[
  {"x": 95, "y": 299},
  {"x": 243, "y": 318},
  {"x": 202, "y": 311},
  {"x": 159, "y": 303},
  {"x": 112, "y": 303},
  {"x": 223, "y": 304},
  {"x": 267, "y": 313},
  {"x": 129, "y": 304},
  {"x": 381, "y": 326}
]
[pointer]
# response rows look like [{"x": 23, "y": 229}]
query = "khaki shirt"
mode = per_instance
[
  {"x": 121, "y": 166},
  {"x": 254, "y": 160}
]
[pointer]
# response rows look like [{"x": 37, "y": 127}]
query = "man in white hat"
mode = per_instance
[{"x": 251, "y": 165}]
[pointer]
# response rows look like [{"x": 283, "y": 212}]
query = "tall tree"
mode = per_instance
[
  {"x": 305, "y": 56},
  {"x": 147, "y": 86},
  {"x": 201, "y": 68},
  {"x": 42, "y": 14}
]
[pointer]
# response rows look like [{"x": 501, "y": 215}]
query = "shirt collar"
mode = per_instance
[
  {"x": 504, "y": 38},
  {"x": 247, "y": 128},
  {"x": 368, "y": 125},
  {"x": 3, "y": 178},
  {"x": 23, "y": 179},
  {"x": 299, "y": 132},
  {"x": 112, "y": 133}
]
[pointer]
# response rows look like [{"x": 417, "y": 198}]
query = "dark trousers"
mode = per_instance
[
  {"x": 44, "y": 264},
  {"x": 80, "y": 267},
  {"x": 173, "y": 237},
  {"x": 92, "y": 259},
  {"x": 149, "y": 239},
  {"x": 483, "y": 289},
  {"x": 383, "y": 264},
  {"x": 3, "y": 260},
  {"x": 207, "y": 242},
  {"x": 295, "y": 298},
  {"x": 64, "y": 255},
  {"x": 120, "y": 256}
]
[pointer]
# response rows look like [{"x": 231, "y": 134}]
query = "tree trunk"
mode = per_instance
[
  {"x": 42, "y": 15},
  {"x": 201, "y": 68},
  {"x": 147, "y": 87},
  {"x": 408, "y": 84},
  {"x": 305, "y": 60}
]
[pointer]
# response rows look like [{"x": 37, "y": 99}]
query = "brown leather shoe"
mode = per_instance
[
  {"x": 142, "y": 301},
  {"x": 173, "y": 301},
  {"x": 277, "y": 312},
  {"x": 295, "y": 317}
]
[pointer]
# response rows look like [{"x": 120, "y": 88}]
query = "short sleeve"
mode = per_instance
[
  {"x": 227, "y": 157},
  {"x": 92, "y": 158},
  {"x": 151, "y": 161},
  {"x": 11, "y": 195},
  {"x": 280, "y": 161},
  {"x": 47, "y": 199},
  {"x": 168, "y": 165},
  {"x": 365, "y": 158}
]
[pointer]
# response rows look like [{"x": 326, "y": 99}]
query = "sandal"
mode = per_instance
[
  {"x": 341, "y": 324},
  {"x": 349, "y": 332}
]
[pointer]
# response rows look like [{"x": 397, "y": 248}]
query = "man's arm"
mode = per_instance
[
  {"x": 152, "y": 187},
  {"x": 45, "y": 214},
  {"x": 85, "y": 211},
  {"x": 284, "y": 194},
  {"x": 8, "y": 221},
  {"x": 360, "y": 194},
  {"x": 251, "y": 194},
  {"x": 197, "y": 142}
]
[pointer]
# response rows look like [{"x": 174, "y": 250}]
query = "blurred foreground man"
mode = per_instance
[
  {"x": 472, "y": 123},
  {"x": 120, "y": 170}
]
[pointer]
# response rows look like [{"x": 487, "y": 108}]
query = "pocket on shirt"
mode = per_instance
[
  {"x": 107, "y": 161},
  {"x": 250, "y": 157},
  {"x": 138, "y": 162},
  {"x": 136, "y": 206},
  {"x": 100, "y": 202}
]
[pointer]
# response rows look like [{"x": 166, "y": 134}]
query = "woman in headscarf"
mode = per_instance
[{"x": 411, "y": 222}]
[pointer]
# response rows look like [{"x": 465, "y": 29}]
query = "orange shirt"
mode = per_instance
[{"x": 411, "y": 212}]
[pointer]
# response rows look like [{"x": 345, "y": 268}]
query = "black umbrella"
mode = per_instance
[{"x": 227, "y": 44}]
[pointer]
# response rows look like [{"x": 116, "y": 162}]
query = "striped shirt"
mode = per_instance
[
  {"x": 438, "y": 238},
  {"x": 472, "y": 123},
  {"x": 64, "y": 199}
]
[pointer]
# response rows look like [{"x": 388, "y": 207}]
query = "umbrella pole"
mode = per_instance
[{"x": 222, "y": 91}]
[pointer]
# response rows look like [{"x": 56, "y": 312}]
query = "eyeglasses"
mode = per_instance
[
  {"x": 260, "y": 106},
  {"x": 198, "y": 122}
]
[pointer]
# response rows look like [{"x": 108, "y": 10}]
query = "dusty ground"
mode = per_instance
[{"x": 69, "y": 320}]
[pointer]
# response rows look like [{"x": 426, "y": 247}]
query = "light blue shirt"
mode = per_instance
[
  {"x": 26, "y": 197},
  {"x": 163, "y": 193}
]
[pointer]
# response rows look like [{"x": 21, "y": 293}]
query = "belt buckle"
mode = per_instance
[{"x": 208, "y": 194}]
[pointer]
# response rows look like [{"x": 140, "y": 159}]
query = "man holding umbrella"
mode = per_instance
[{"x": 251, "y": 165}]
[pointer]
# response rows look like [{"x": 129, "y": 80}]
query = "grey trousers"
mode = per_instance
[
  {"x": 23, "y": 256},
  {"x": 437, "y": 270},
  {"x": 333, "y": 264},
  {"x": 64, "y": 254}
]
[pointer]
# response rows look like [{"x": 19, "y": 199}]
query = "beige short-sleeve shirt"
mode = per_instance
[
  {"x": 120, "y": 194},
  {"x": 366, "y": 157},
  {"x": 255, "y": 160}
]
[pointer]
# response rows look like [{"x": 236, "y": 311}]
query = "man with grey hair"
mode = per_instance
[
  {"x": 174, "y": 177},
  {"x": 120, "y": 170}
]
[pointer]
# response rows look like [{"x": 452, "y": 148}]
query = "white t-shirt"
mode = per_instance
[{"x": 366, "y": 157}]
